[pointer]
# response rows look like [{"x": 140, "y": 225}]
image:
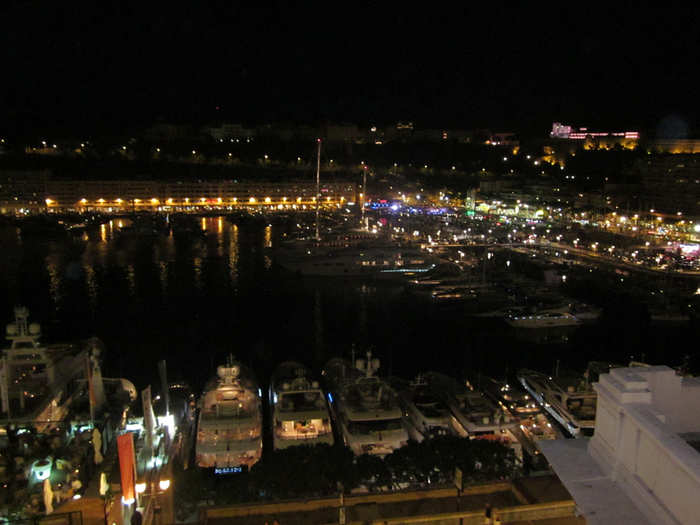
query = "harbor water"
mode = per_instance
[{"x": 192, "y": 300}]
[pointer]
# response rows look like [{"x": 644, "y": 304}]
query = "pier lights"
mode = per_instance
[
  {"x": 83, "y": 201},
  {"x": 298, "y": 199},
  {"x": 267, "y": 200},
  {"x": 169, "y": 201},
  {"x": 187, "y": 200},
  {"x": 219, "y": 200},
  {"x": 154, "y": 201},
  {"x": 49, "y": 202},
  {"x": 118, "y": 201},
  {"x": 101, "y": 201},
  {"x": 202, "y": 200},
  {"x": 251, "y": 200}
]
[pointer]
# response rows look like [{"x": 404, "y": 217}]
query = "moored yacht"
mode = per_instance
[
  {"x": 366, "y": 410},
  {"x": 427, "y": 411},
  {"x": 40, "y": 385},
  {"x": 543, "y": 319},
  {"x": 568, "y": 398},
  {"x": 385, "y": 260},
  {"x": 474, "y": 414},
  {"x": 298, "y": 408},
  {"x": 229, "y": 434}
]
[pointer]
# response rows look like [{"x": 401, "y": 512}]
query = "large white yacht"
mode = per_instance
[
  {"x": 229, "y": 435},
  {"x": 568, "y": 398},
  {"x": 474, "y": 415},
  {"x": 357, "y": 261},
  {"x": 298, "y": 408},
  {"x": 367, "y": 412},
  {"x": 40, "y": 384},
  {"x": 427, "y": 411}
]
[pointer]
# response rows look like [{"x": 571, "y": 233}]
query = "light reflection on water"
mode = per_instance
[
  {"x": 233, "y": 254},
  {"x": 193, "y": 299}
]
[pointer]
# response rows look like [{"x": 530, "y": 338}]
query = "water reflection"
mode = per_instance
[
  {"x": 131, "y": 279},
  {"x": 91, "y": 284},
  {"x": 233, "y": 254},
  {"x": 268, "y": 236}
]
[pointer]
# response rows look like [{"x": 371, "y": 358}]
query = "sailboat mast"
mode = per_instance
[{"x": 318, "y": 184}]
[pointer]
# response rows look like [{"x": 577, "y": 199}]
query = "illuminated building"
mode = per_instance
[
  {"x": 562, "y": 131},
  {"x": 150, "y": 194}
]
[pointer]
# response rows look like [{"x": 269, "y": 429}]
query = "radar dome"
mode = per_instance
[{"x": 128, "y": 387}]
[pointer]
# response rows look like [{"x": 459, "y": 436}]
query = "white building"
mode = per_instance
[{"x": 643, "y": 463}]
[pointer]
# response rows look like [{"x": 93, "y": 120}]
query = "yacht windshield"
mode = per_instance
[
  {"x": 301, "y": 402},
  {"x": 379, "y": 425}
]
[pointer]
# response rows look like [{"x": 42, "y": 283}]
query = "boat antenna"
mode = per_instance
[
  {"x": 318, "y": 184},
  {"x": 364, "y": 196}
]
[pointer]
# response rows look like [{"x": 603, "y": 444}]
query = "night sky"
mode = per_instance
[{"x": 92, "y": 66}]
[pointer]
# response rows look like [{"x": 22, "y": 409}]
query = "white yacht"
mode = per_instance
[
  {"x": 298, "y": 408},
  {"x": 40, "y": 384},
  {"x": 474, "y": 415},
  {"x": 542, "y": 319},
  {"x": 385, "y": 261},
  {"x": 427, "y": 411},
  {"x": 366, "y": 410},
  {"x": 229, "y": 435},
  {"x": 569, "y": 399}
]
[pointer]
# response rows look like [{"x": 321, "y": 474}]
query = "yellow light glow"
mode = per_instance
[
  {"x": 83, "y": 201},
  {"x": 202, "y": 200},
  {"x": 49, "y": 202},
  {"x": 154, "y": 201},
  {"x": 187, "y": 200},
  {"x": 218, "y": 200},
  {"x": 136, "y": 201},
  {"x": 164, "y": 484},
  {"x": 101, "y": 201},
  {"x": 169, "y": 201},
  {"x": 235, "y": 199},
  {"x": 298, "y": 199},
  {"x": 118, "y": 201},
  {"x": 140, "y": 487},
  {"x": 267, "y": 199},
  {"x": 251, "y": 200}
]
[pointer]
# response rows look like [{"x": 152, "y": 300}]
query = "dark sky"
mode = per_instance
[{"x": 80, "y": 66}]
